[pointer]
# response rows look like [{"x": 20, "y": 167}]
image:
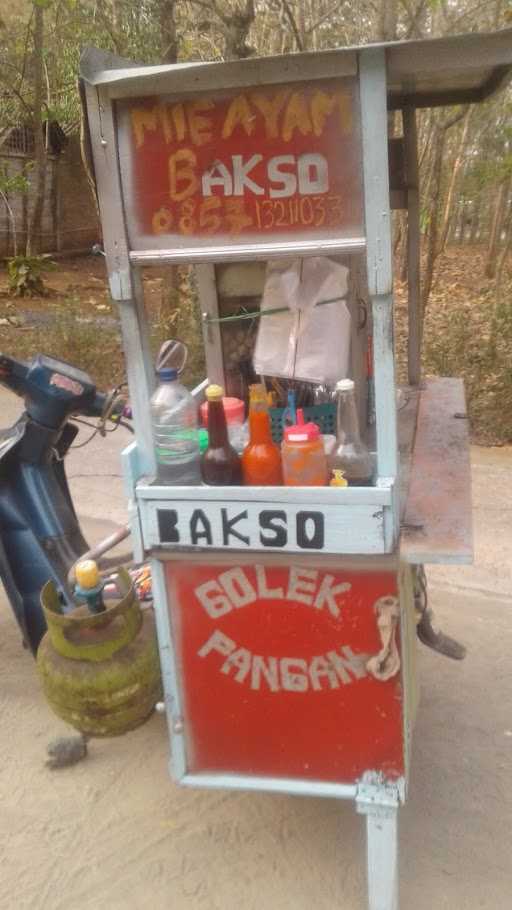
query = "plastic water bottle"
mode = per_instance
[{"x": 175, "y": 431}]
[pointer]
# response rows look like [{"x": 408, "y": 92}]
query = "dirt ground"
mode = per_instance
[{"x": 115, "y": 832}]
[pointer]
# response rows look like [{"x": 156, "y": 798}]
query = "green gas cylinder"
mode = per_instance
[{"x": 100, "y": 671}]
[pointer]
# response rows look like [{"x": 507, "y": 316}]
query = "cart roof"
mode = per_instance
[{"x": 425, "y": 73}]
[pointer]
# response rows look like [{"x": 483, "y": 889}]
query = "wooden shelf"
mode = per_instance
[{"x": 436, "y": 516}]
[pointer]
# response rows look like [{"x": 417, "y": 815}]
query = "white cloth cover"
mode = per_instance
[{"x": 307, "y": 342}]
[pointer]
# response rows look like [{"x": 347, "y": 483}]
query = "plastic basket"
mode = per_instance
[{"x": 324, "y": 415}]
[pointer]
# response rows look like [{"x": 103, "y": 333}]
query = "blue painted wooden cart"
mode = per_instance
[{"x": 163, "y": 201}]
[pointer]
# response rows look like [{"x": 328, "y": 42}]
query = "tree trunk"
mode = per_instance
[
  {"x": 500, "y": 268},
  {"x": 433, "y": 213},
  {"x": 169, "y": 38},
  {"x": 236, "y": 30},
  {"x": 459, "y": 157},
  {"x": 440, "y": 130},
  {"x": 500, "y": 206},
  {"x": 11, "y": 222},
  {"x": 40, "y": 157},
  {"x": 387, "y": 21},
  {"x": 475, "y": 221}
]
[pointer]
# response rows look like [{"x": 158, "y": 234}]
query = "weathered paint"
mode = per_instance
[
  {"x": 271, "y": 667},
  {"x": 265, "y": 162},
  {"x": 100, "y": 673}
]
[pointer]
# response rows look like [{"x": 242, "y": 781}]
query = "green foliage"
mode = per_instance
[
  {"x": 13, "y": 183},
  {"x": 25, "y": 275}
]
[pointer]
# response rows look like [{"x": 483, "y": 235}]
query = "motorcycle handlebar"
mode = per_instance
[
  {"x": 97, "y": 407},
  {"x": 13, "y": 373},
  {"x": 54, "y": 391}
]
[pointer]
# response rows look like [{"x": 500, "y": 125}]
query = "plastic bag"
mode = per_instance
[{"x": 306, "y": 342}]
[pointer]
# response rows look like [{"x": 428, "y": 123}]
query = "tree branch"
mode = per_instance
[
  {"x": 323, "y": 18},
  {"x": 293, "y": 24},
  {"x": 451, "y": 121},
  {"x": 414, "y": 19}
]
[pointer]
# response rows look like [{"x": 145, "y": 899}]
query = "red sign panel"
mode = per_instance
[
  {"x": 270, "y": 162},
  {"x": 273, "y": 670}
]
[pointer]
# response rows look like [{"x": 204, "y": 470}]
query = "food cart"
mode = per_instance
[{"x": 286, "y": 616}]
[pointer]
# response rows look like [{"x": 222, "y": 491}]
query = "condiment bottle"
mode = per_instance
[
  {"x": 89, "y": 585},
  {"x": 234, "y": 410},
  {"x": 220, "y": 464},
  {"x": 351, "y": 454},
  {"x": 261, "y": 460},
  {"x": 302, "y": 450}
]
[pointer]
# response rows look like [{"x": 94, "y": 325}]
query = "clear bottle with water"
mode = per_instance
[{"x": 175, "y": 431}]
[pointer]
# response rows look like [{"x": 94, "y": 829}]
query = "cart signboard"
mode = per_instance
[
  {"x": 273, "y": 667},
  {"x": 270, "y": 162}
]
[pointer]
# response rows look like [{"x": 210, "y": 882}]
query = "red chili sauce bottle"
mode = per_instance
[{"x": 261, "y": 459}]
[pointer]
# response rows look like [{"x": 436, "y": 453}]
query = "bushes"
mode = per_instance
[{"x": 474, "y": 340}]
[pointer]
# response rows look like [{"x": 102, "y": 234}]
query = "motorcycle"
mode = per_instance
[{"x": 40, "y": 535}]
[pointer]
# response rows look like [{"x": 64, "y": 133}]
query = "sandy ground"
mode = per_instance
[{"x": 115, "y": 832}]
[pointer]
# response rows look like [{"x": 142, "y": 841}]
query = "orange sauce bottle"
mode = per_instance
[
  {"x": 261, "y": 459},
  {"x": 304, "y": 461}
]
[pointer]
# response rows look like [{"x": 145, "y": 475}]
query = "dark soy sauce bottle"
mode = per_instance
[{"x": 220, "y": 464}]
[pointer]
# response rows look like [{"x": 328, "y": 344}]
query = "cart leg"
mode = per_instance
[
  {"x": 379, "y": 802},
  {"x": 382, "y": 851}
]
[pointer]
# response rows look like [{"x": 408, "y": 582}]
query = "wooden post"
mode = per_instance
[
  {"x": 125, "y": 282},
  {"x": 372, "y": 68},
  {"x": 209, "y": 304},
  {"x": 413, "y": 246}
]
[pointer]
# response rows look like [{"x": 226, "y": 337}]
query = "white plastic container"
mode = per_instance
[{"x": 175, "y": 432}]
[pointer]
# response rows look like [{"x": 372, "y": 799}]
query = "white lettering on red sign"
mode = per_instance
[
  {"x": 234, "y": 590},
  {"x": 289, "y": 674},
  {"x": 287, "y": 174}
]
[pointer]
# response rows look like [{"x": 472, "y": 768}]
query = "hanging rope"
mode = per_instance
[{"x": 386, "y": 663}]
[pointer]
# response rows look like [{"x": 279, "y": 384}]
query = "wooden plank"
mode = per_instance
[
  {"x": 334, "y": 562},
  {"x": 125, "y": 282},
  {"x": 398, "y": 199},
  {"x": 106, "y": 170},
  {"x": 425, "y": 72},
  {"x": 376, "y": 171},
  {"x": 208, "y": 300},
  {"x": 379, "y": 258},
  {"x": 407, "y": 414},
  {"x": 256, "y": 251},
  {"x": 263, "y": 527},
  {"x": 314, "y": 496},
  {"x": 437, "y": 523},
  {"x": 357, "y": 296},
  {"x": 413, "y": 247},
  {"x": 187, "y": 79},
  {"x": 385, "y": 394}
]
